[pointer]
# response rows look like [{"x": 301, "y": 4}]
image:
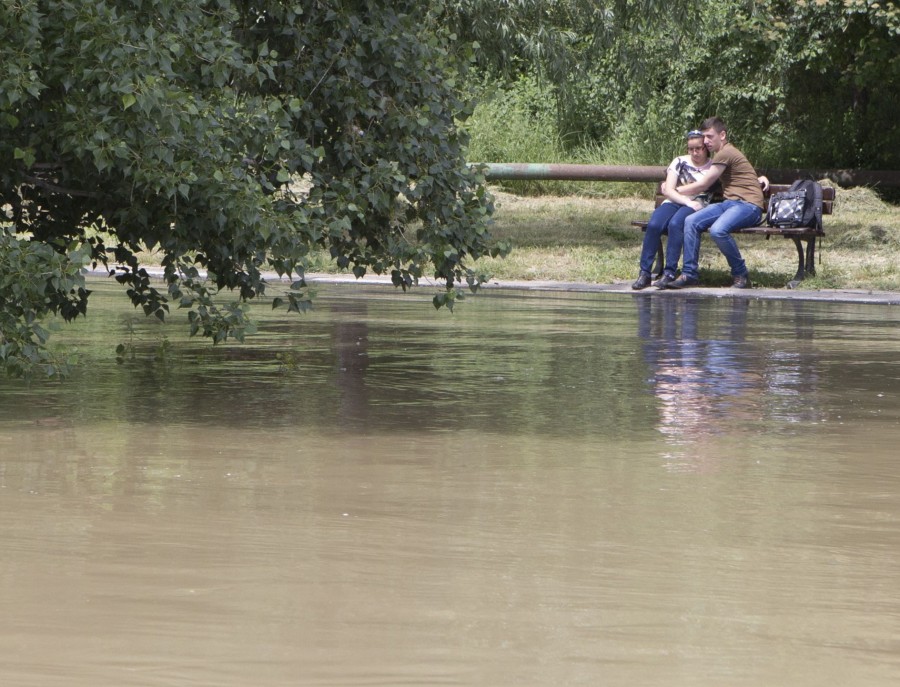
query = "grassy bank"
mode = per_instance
[{"x": 590, "y": 239}]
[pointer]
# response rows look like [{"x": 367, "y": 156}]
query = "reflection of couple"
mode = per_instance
[{"x": 702, "y": 370}]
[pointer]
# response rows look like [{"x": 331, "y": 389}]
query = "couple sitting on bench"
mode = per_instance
[{"x": 687, "y": 213}]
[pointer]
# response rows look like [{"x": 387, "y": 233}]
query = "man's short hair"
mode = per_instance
[{"x": 713, "y": 123}]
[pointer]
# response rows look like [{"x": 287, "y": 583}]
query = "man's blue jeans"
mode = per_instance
[
  {"x": 668, "y": 216},
  {"x": 721, "y": 219}
]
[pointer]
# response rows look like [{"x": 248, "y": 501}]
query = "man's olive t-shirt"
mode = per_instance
[{"x": 739, "y": 180}]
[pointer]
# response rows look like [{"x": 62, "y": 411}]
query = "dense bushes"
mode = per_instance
[{"x": 800, "y": 84}]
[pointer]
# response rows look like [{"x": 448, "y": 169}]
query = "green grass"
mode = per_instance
[{"x": 590, "y": 239}]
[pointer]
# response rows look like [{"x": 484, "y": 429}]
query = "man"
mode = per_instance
[{"x": 743, "y": 207}]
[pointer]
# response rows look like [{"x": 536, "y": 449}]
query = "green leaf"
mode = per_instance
[{"x": 26, "y": 155}]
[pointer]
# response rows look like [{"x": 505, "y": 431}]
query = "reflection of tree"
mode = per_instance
[{"x": 350, "y": 341}]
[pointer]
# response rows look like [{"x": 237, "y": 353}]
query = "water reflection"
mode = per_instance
[
  {"x": 704, "y": 383},
  {"x": 350, "y": 342},
  {"x": 713, "y": 373}
]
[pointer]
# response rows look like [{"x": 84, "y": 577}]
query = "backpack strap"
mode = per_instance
[{"x": 817, "y": 204}]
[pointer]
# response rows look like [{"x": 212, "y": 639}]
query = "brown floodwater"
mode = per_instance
[{"x": 538, "y": 489}]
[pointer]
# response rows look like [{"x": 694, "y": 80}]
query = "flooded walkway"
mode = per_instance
[{"x": 540, "y": 488}]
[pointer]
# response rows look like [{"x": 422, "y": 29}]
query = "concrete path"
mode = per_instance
[{"x": 832, "y": 295}]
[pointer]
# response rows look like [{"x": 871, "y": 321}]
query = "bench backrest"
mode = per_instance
[{"x": 827, "y": 196}]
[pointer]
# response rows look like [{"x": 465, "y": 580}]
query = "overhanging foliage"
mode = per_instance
[{"x": 233, "y": 138}]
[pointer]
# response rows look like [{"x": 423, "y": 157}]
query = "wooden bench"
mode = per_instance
[{"x": 806, "y": 258}]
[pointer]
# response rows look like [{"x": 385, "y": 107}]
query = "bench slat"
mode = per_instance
[{"x": 780, "y": 231}]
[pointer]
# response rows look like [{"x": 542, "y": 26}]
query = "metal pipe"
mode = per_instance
[
  {"x": 841, "y": 177},
  {"x": 496, "y": 171}
]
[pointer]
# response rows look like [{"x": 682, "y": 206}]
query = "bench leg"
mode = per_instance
[
  {"x": 801, "y": 259},
  {"x": 806, "y": 261},
  {"x": 811, "y": 257}
]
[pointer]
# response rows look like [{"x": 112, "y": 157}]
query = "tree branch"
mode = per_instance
[{"x": 53, "y": 188}]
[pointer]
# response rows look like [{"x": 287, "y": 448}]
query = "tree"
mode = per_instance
[
  {"x": 803, "y": 82},
  {"x": 567, "y": 44},
  {"x": 810, "y": 83},
  {"x": 233, "y": 137}
]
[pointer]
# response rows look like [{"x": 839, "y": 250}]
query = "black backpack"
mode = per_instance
[{"x": 799, "y": 206}]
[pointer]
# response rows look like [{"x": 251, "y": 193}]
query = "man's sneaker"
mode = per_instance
[
  {"x": 682, "y": 282},
  {"x": 642, "y": 282},
  {"x": 742, "y": 282},
  {"x": 664, "y": 281}
]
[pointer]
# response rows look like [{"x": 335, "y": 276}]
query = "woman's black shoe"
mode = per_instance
[
  {"x": 683, "y": 282},
  {"x": 642, "y": 282}
]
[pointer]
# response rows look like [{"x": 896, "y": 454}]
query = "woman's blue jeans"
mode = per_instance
[
  {"x": 721, "y": 219},
  {"x": 668, "y": 217}
]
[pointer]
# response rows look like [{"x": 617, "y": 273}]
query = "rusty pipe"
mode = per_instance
[{"x": 528, "y": 171}]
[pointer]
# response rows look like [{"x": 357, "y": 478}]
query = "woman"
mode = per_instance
[{"x": 670, "y": 215}]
